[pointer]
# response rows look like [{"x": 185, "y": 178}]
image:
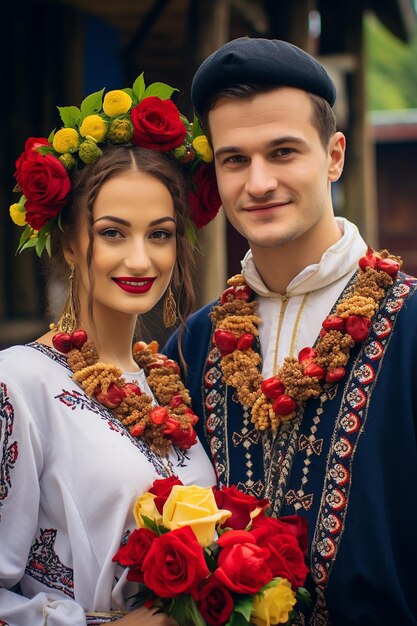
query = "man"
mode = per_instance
[{"x": 330, "y": 432}]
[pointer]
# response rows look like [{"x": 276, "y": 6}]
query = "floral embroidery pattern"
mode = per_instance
[
  {"x": 94, "y": 620},
  {"x": 9, "y": 450},
  {"x": 44, "y": 564}
]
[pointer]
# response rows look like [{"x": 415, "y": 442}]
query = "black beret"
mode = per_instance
[{"x": 260, "y": 61}]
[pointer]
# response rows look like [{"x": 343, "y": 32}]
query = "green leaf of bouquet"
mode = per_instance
[
  {"x": 160, "y": 90},
  {"x": 152, "y": 525},
  {"x": 244, "y": 607},
  {"x": 139, "y": 87},
  {"x": 51, "y": 136},
  {"x": 70, "y": 116},
  {"x": 184, "y": 610},
  {"x": 303, "y": 596},
  {"x": 92, "y": 103},
  {"x": 237, "y": 619}
]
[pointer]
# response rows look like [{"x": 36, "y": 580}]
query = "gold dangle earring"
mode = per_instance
[
  {"x": 169, "y": 314},
  {"x": 67, "y": 323}
]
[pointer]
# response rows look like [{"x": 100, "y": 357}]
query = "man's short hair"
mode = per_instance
[{"x": 323, "y": 117}]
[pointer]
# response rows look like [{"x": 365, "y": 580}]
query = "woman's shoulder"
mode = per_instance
[{"x": 27, "y": 362}]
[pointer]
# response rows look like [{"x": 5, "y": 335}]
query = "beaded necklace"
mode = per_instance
[
  {"x": 159, "y": 426},
  {"x": 276, "y": 399}
]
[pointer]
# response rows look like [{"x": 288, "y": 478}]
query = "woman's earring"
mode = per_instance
[
  {"x": 67, "y": 323},
  {"x": 169, "y": 314}
]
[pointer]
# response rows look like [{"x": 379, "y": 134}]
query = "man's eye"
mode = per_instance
[
  {"x": 283, "y": 151},
  {"x": 236, "y": 158}
]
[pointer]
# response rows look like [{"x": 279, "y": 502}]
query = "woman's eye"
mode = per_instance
[
  {"x": 111, "y": 233},
  {"x": 162, "y": 234}
]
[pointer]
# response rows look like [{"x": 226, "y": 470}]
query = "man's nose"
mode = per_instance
[{"x": 262, "y": 178}]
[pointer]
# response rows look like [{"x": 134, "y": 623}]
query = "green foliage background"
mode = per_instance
[{"x": 391, "y": 68}]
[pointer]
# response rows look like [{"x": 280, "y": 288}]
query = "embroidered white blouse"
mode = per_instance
[
  {"x": 69, "y": 476},
  {"x": 293, "y": 321}
]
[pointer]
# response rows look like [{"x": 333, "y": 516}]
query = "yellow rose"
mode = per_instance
[
  {"x": 66, "y": 140},
  {"x": 116, "y": 102},
  {"x": 203, "y": 149},
  {"x": 145, "y": 505},
  {"x": 195, "y": 507},
  {"x": 94, "y": 126},
  {"x": 273, "y": 605},
  {"x": 18, "y": 214}
]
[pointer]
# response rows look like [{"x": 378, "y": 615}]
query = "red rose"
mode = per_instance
[
  {"x": 205, "y": 201},
  {"x": 175, "y": 564},
  {"x": 242, "y": 564},
  {"x": 157, "y": 124},
  {"x": 239, "y": 504},
  {"x": 215, "y": 602},
  {"x": 161, "y": 488},
  {"x": 45, "y": 183},
  {"x": 288, "y": 524},
  {"x": 285, "y": 557},
  {"x": 133, "y": 553},
  {"x": 30, "y": 147}
]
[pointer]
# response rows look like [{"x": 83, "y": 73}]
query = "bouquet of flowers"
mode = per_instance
[{"x": 210, "y": 556}]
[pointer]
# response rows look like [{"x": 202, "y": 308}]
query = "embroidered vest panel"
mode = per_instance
[{"x": 307, "y": 468}]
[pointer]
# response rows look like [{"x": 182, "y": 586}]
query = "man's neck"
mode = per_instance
[{"x": 279, "y": 266}]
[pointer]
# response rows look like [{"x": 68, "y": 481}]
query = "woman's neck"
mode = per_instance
[{"x": 112, "y": 336}]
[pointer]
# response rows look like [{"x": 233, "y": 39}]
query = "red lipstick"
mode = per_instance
[{"x": 134, "y": 284}]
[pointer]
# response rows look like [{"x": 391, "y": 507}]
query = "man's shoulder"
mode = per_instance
[{"x": 201, "y": 316}]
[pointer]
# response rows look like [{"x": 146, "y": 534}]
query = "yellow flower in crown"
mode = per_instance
[
  {"x": 195, "y": 507},
  {"x": 116, "y": 102},
  {"x": 145, "y": 505},
  {"x": 66, "y": 140},
  {"x": 203, "y": 149},
  {"x": 18, "y": 214},
  {"x": 274, "y": 604},
  {"x": 94, "y": 126}
]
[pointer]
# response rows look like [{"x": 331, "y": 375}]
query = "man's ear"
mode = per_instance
[{"x": 336, "y": 151}]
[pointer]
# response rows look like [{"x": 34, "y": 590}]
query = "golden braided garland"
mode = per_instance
[
  {"x": 159, "y": 426},
  {"x": 276, "y": 399}
]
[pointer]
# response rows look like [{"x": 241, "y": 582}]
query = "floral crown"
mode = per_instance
[{"x": 138, "y": 116}]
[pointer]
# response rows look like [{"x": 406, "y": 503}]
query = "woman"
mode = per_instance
[{"x": 80, "y": 434}]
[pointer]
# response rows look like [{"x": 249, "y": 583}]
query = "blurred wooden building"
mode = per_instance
[{"x": 53, "y": 52}]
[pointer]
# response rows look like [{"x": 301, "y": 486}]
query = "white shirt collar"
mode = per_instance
[{"x": 340, "y": 259}]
